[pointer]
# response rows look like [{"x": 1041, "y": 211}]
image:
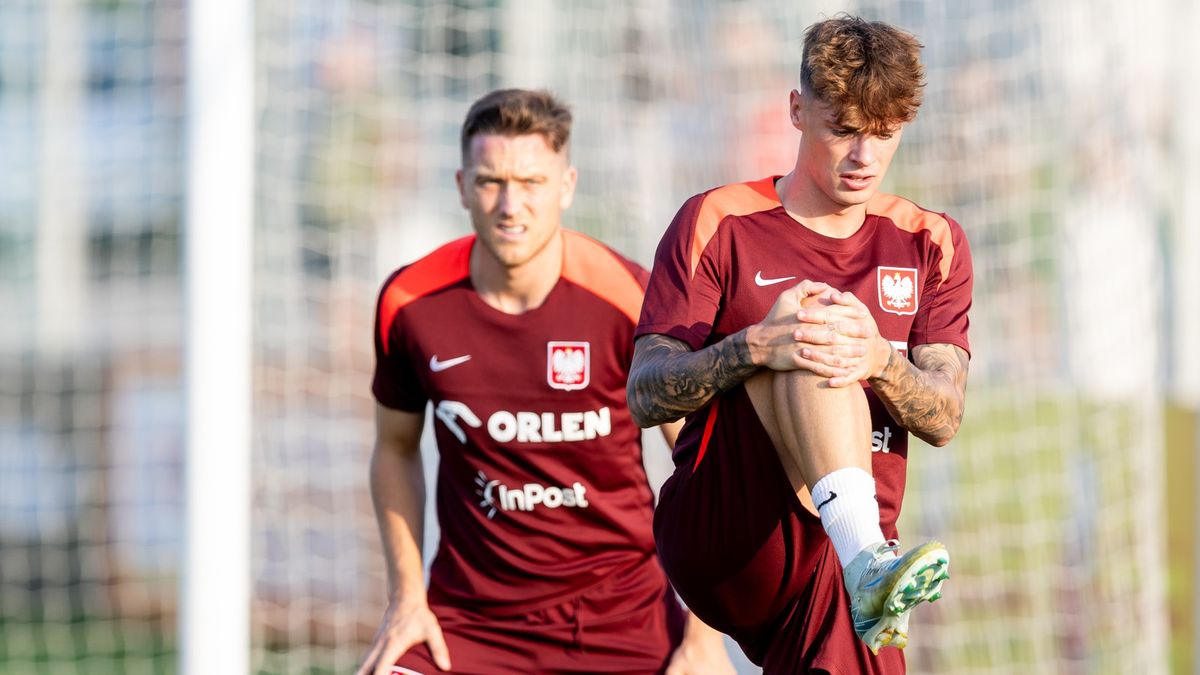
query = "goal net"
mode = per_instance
[
  {"x": 1048, "y": 131},
  {"x": 1051, "y": 497},
  {"x": 1031, "y": 136},
  {"x": 91, "y": 404}
]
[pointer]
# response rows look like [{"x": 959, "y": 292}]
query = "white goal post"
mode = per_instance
[{"x": 215, "y": 581}]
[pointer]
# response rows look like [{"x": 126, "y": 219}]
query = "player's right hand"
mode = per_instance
[
  {"x": 843, "y": 336},
  {"x": 774, "y": 341},
  {"x": 405, "y": 623}
]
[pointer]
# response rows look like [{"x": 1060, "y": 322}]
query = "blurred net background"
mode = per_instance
[{"x": 1061, "y": 135}]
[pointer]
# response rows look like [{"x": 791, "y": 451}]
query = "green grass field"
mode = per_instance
[
  {"x": 1183, "y": 442},
  {"x": 87, "y": 646},
  {"x": 1033, "y": 483},
  {"x": 1040, "y": 499}
]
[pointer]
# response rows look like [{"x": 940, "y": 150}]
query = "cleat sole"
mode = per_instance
[
  {"x": 920, "y": 581},
  {"x": 888, "y": 631},
  {"x": 924, "y": 585}
]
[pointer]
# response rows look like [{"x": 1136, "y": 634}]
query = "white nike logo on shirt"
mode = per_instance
[
  {"x": 438, "y": 366},
  {"x": 758, "y": 279}
]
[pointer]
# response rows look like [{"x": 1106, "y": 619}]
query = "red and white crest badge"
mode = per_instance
[
  {"x": 897, "y": 289},
  {"x": 568, "y": 365}
]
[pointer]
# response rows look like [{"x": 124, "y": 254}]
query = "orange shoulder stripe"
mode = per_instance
[
  {"x": 590, "y": 264},
  {"x": 445, "y": 266},
  {"x": 912, "y": 218},
  {"x": 738, "y": 199}
]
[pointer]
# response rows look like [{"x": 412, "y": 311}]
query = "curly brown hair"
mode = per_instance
[
  {"x": 869, "y": 72},
  {"x": 518, "y": 112}
]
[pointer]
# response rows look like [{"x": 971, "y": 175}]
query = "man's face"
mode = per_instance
[
  {"x": 845, "y": 166},
  {"x": 516, "y": 188}
]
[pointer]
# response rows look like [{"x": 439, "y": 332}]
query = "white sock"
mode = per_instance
[{"x": 845, "y": 500}]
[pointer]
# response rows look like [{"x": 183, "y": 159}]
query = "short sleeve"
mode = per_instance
[
  {"x": 680, "y": 302},
  {"x": 395, "y": 384},
  {"x": 943, "y": 316}
]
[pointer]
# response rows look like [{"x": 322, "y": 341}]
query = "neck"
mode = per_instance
[
  {"x": 806, "y": 203},
  {"x": 517, "y": 289}
]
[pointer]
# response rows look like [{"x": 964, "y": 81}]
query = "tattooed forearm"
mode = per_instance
[
  {"x": 926, "y": 396},
  {"x": 668, "y": 380}
]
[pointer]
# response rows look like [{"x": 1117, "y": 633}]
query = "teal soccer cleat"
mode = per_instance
[{"x": 884, "y": 588}]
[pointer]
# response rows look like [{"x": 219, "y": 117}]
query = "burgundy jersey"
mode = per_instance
[
  {"x": 541, "y": 491},
  {"x": 731, "y": 251}
]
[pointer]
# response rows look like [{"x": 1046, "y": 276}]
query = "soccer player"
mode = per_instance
[
  {"x": 777, "y": 526},
  {"x": 521, "y": 335}
]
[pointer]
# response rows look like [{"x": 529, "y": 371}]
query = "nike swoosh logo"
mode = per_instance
[
  {"x": 758, "y": 279},
  {"x": 832, "y": 496},
  {"x": 438, "y": 366}
]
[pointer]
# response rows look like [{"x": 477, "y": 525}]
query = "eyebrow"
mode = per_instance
[{"x": 484, "y": 173}]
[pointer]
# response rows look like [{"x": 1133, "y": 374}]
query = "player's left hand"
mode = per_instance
[
  {"x": 702, "y": 652},
  {"x": 844, "y": 337}
]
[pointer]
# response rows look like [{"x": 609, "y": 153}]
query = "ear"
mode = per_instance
[
  {"x": 796, "y": 109},
  {"x": 570, "y": 175},
  {"x": 462, "y": 193}
]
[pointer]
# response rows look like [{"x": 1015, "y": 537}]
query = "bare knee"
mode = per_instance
[
  {"x": 801, "y": 387},
  {"x": 802, "y": 380}
]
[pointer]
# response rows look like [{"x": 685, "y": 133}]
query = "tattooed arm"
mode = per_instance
[
  {"x": 668, "y": 380},
  {"x": 928, "y": 394}
]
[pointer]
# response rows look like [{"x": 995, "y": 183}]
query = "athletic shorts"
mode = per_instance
[
  {"x": 598, "y": 632},
  {"x": 749, "y": 560}
]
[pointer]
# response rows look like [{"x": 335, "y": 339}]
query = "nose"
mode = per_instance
[
  {"x": 509, "y": 203},
  {"x": 862, "y": 151}
]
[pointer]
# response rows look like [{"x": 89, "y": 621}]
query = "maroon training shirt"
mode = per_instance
[
  {"x": 731, "y": 251},
  {"x": 541, "y": 491}
]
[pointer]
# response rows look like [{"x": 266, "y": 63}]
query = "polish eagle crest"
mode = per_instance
[
  {"x": 568, "y": 365},
  {"x": 898, "y": 289}
]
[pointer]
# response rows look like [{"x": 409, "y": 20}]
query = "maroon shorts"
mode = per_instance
[
  {"x": 601, "y": 631},
  {"x": 750, "y": 561}
]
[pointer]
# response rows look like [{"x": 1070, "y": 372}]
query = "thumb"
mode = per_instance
[{"x": 437, "y": 647}]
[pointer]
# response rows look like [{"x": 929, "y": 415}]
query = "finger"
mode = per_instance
[
  {"x": 831, "y": 356},
  {"x": 826, "y": 314},
  {"x": 804, "y": 363},
  {"x": 847, "y": 380},
  {"x": 437, "y": 647},
  {"x": 814, "y": 315},
  {"x": 824, "y": 356},
  {"x": 390, "y": 654},
  {"x": 834, "y": 358},
  {"x": 809, "y": 288},
  {"x": 830, "y": 330},
  {"x": 849, "y": 300},
  {"x": 823, "y": 335},
  {"x": 853, "y": 311},
  {"x": 848, "y": 350},
  {"x": 387, "y": 658},
  {"x": 835, "y": 312},
  {"x": 368, "y": 662},
  {"x": 852, "y": 350},
  {"x": 852, "y": 372},
  {"x": 852, "y": 329}
]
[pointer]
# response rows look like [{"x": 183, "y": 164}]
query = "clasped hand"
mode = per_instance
[{"x": 815, "y": 327}]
